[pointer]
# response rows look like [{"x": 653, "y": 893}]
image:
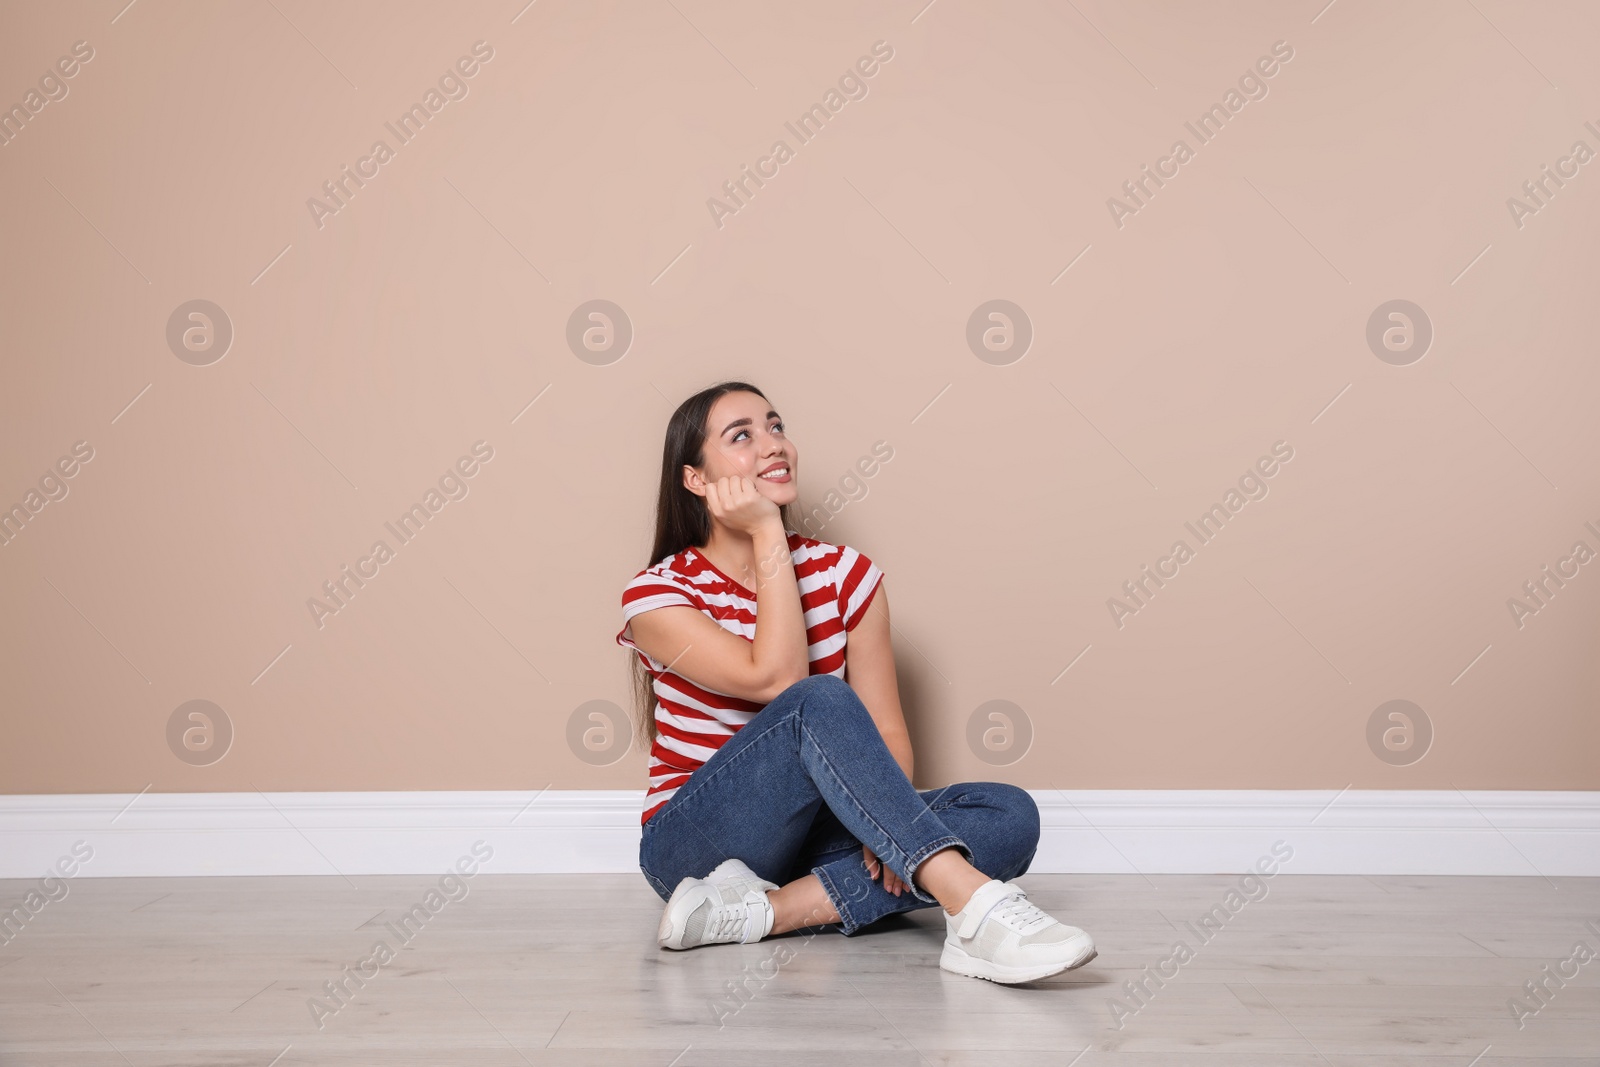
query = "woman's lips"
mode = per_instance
[{"x": 777, "y": 479}]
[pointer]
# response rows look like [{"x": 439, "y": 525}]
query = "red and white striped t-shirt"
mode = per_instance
[{"x": 836, "y": 584}]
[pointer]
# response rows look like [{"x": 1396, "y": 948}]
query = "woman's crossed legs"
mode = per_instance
[{"x": 799, "y": 789}]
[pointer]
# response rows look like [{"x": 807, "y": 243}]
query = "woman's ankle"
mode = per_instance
[
  {"x": 949, "y": 878},
  {"x": 960, "y": 898},
  {"x": 802, "y": 903}
]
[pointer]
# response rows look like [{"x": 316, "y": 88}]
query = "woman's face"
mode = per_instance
[{"x": 744, "y": 436}]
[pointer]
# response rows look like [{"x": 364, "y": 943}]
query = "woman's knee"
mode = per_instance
[
  {"x": 1015, "y": 834},
  {"x": 1020, "y": 807},
  {"x": 1024, "y": 814},
  {"x": 823, "y": 694},
  {"x": 646, "y": 859},
  {"x": 655, "y": 883},
  {"x": 820, "y": 683}
]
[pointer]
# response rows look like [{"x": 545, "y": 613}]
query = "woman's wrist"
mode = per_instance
[
  {"x": 769, "y": 537},
  {"x": 770, "y": 527},
  {"x": 771, "y": 545}
]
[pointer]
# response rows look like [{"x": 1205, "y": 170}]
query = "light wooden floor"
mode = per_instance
[{"x": 564, "y": 969}]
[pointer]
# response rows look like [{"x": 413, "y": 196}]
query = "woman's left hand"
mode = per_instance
[{"x": 891, "y": 881}]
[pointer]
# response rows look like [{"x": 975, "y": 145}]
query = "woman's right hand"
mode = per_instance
[{"x": 738, "y": 504}]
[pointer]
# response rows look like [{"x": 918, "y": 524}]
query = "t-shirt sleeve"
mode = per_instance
[
  {"x": 857, "y": 579},
  {"x": 648, "y": 591}
]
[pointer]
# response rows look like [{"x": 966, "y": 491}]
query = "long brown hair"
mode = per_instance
[{"x": 681, "y": 517}]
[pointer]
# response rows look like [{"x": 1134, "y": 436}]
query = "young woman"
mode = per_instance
[{"x": 780, "y": 792}]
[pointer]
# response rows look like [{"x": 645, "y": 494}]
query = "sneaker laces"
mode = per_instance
[
  {"x": 1020, "y": 913},
  {"x": 737, "y": 918}
]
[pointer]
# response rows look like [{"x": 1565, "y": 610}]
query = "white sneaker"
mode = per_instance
[
  {"x": 729, "y": 904},
  {"x": 1002, "y": 936}
]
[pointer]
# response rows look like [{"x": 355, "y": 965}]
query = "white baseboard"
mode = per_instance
[{"x": 597, "y": 831}]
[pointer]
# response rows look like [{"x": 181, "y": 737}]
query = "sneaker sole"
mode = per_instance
[{"x": 955, "y": 960}]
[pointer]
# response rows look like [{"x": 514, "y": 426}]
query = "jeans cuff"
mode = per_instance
[
  {"x": 916, "y": 859},
  {"x": 847, "y": 923}
]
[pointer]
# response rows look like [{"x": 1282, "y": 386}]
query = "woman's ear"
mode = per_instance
[{"x": 693, "y": 482}]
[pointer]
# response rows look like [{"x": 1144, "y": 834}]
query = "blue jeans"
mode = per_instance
[{"x": 804, "y": 784}]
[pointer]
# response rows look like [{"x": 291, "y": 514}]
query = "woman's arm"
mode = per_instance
[
  {"x": 697, "y": 648},
  {"x": 869, "y": 668}
]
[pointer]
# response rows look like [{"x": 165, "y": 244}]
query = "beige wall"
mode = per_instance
[{"x": 1227, "y": 313}]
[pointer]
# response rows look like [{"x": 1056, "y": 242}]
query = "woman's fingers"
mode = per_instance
[
  {"x": 723, "y": 496},
  {"x": 891, "y": 881}
]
